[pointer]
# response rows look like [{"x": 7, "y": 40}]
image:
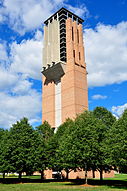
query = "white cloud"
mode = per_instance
[
  {"x": 1, "y": 18},
  {"x": 3, "y": 53},
  {"x": 106, "y": 54},
  {"x": 13, "y": 108},
  {"x": 28, "y": 15},
  {"x": 80, "y": 11},
  {"x": 38, "y": 36},
  {"x": 98, "y": 96},
  {"x": 7, "y": 79},
  {"x": 27, "y": 57},
  {"x": 18, "y": 97},
  {"x": 23, "y": 86},
  {"x": 118, "y": 110}
]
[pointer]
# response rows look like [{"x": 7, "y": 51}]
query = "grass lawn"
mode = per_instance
[
  {"x": 54, "y": 186},
  {"x": 62, "y": 186},
  {"x": 118, "y": 177}
]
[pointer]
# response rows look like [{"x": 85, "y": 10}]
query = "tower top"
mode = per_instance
[{"x": 63, "y": 13}]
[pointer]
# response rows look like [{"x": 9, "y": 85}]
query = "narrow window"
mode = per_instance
[
  {"x": 72, "y": 34},
  {"x": 79, "y": 56},
  {"x": 74, "y": 53},
  {"x": 78, "y": 35}
]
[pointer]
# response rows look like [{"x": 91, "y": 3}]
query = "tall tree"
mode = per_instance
[
  {"x": 89, "y": 129},
  {"x": 5, "y": 164},
  {"x": 23, "y": 141},
  {"x": 63, "y": 153},
  {"x": 42, "y": 157},
  {"x": 45, "y": 130},
  {"x": 106, "y": 116},
  {"x": 2, "y": 132},
  {"x": 79, "y": 145},
  {"x": 118, "y": 142}
]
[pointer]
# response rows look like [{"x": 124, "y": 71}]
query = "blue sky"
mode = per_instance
[{"x": 21, "y": 48}]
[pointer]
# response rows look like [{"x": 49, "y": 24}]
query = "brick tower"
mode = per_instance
[{"x": 65, "y": 91}]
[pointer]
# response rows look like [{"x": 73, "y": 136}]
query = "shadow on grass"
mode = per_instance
[{"x": 120, "y": 184}]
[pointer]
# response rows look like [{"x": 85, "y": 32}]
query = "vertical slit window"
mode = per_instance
[
  {"x": 72, "y": 34},
  {"x": 78, "y": 35},
  {"x": 74, "y": 53},
  {"x": 79, "y": 56}
]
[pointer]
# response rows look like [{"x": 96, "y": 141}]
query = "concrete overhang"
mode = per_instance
[{"x": 54, "y": 71}]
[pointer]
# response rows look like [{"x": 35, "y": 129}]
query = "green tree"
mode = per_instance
[
  {"x": 55, "y": 159},
  {"x": 106, "y": 116},
  {"x": 64, "y": 159},
  {"x": 45, "y": 130},
  {"x": 5, "y": 164},
  {"x": 42, "y": 157},
  {"x": 89, "y": 129},
  {"x": 118, "y": 142},
  {"x": 23, "y": 141},
  {"x": 2, "y": 132},
  {"x": 79, "y": 145}
]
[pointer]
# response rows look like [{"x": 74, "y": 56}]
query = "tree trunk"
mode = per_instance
[
  {"x": 20, "y": 175},
  {"x": 42, "y": 174},
  {"x": 67, "y": 174},
  {"x": 93, "y": 173},
  {"x": 3, "y": 175},
  {"x": 101, "y": 174},
  {"x": 86, "y": 174}
]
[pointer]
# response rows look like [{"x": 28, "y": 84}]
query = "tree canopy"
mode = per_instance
[
  {"x": 95, "y": 140},
  {"x": 106, "y": 116},
  {"x": 118, "y": 142}
]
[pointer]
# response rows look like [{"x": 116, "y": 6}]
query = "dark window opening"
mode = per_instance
[
  {"x": 74, "y": 18},
  {"x": 63, "y": 40},
  {"x": 55, "y": 17},
  {"x": 62, "y": 16},
  {"x": 63, "y": 30},
  {"x": 51, "y": 20},
  {"x": 62, "y": 45},
  {"x": 63, "y": 49},
  {"x": 63, "y": 35},
  {"x": 69, "y": 15},
  {"x": 63, "y": 59},
  {"x": 62, "y": 21},
  {"x": 79, "y": 56},
  {"x": 62, "y": 26},
  {"x": 74, "y": 53},
  {"x": 72, "y": 34},
  {"x": 63, "y": 54},
  {"x": 78, "y": 35}
]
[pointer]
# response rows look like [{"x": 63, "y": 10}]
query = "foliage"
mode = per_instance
[
  {"x": 91, "y": 142},
  {"x": 63, "y": 151},
  {"x": 42, "y": 157},
  {"x": 106, "y": 116},
  {"x": 94, "y": 140},
  {"x": 53, "y": 146},
  {"x": 81, "y": 145},
  {"x": 23, "y": 141},
  {"x": 118, "y": 142},
  {"x": 5, "y": 152},
  {"x": 45, "y": 130}
]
